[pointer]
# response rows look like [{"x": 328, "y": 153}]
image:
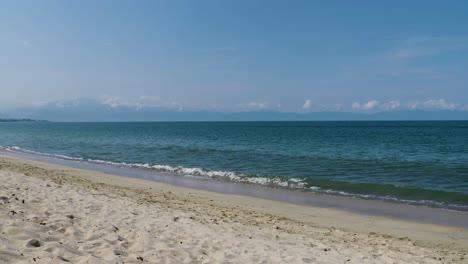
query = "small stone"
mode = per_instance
[
  {"x": 34, "y": 243},
  {"x": 4, "y": 200}
]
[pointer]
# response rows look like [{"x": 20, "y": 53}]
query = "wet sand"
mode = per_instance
[{"x": 57, "y": 214}]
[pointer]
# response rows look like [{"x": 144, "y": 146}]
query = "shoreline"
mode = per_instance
[
  {"x": 336, "y": 234},
  {"x": 196, "y": 176},
  {"x": 368, "y": 207}
]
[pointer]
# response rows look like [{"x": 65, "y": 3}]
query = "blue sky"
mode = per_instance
[{"x": 293, "y": 56}]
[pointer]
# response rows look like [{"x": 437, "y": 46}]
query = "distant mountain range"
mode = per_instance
[{"x": 94, "y": 111}]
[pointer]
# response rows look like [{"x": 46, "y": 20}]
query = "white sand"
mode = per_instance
[{"x": 82, "y": 216}]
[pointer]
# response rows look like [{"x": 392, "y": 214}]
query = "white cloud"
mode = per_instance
[
  {"x": 395, "y": 105},
  {"x": 435, "y": 104},
  {"x": 391, "y": 105},
  {"x": 307, "y": 104},
  {"x": 365, "y": 106},
  {"x": 26, "y": 43},
  {"x": 259, "y": 105},
  {"x": 114, "y": 101},
  {"x": 138, "y": 103}
]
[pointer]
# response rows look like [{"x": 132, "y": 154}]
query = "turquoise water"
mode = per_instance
[{"x": 411, "y": 162}]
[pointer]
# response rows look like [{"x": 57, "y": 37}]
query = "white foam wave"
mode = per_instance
[{"x": 223, "y": 175}]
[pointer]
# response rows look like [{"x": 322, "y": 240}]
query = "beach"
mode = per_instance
[
  {"x": 57, "y": 214},
  {"x": 214, "y": 132}
]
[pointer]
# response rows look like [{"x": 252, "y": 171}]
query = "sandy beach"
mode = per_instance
[{"x": 56, "y": 214}]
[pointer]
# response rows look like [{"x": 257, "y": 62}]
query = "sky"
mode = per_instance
[{"x": 236, "y": 55}]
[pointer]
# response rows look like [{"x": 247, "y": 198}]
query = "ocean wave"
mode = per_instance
[
  {"x": 302, "y": 184},
  {"x": 215, "y": 174},
  {"x": 294, "y": 183}
]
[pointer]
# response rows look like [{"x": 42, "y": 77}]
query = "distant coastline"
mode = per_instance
[{"x": 5, "y": 120}]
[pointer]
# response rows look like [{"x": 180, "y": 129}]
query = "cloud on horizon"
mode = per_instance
[
  {"x": 370, "y": 105},
  {"x": 144, "y": 102},
  {"x": 307, "y": 104},
  {"x": 261, "y": 105},
  {"x": 138, "y": 103},
  {"x": 395, "y": 105}
]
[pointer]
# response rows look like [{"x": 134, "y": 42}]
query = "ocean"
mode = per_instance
[{"x": 412, "y": 162}]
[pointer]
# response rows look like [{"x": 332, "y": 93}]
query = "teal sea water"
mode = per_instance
[{"x": 411, "y": 162}]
